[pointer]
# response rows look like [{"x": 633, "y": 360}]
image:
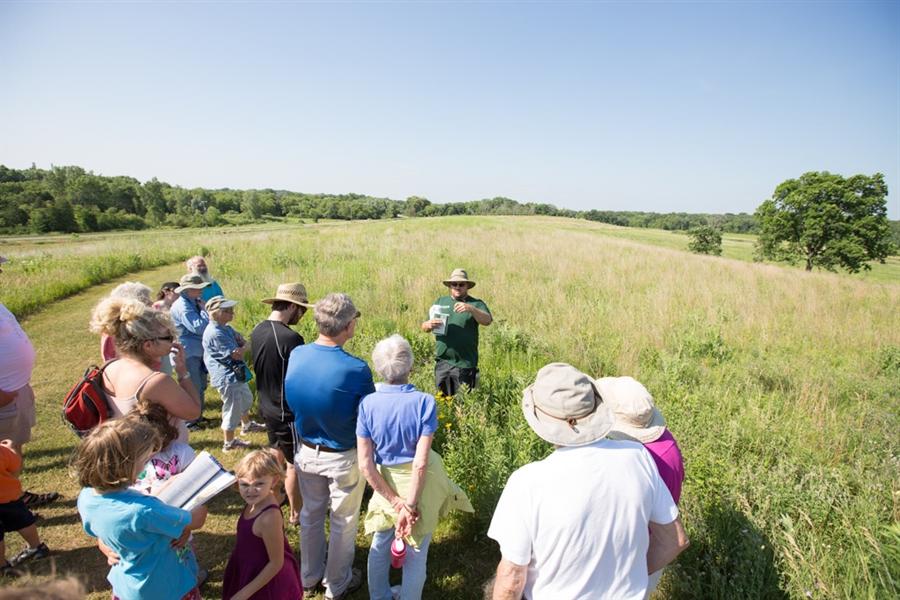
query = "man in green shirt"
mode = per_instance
[{"x": 456, "y": 333}]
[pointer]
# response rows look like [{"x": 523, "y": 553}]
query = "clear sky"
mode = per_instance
[{"x": 694, "y": 107}]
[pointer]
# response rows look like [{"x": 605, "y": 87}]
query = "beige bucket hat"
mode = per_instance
[
  {"x": 290, "y": 292},
  {"x": 637, "y": 418},
  {"x": 457, "y": 276},
  {"x": 564, "y": 407},
  {"x": 190, "y": 282},
  {"x": 218, "y": 303}
]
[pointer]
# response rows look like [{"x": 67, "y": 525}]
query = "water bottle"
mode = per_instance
[{"x": 398, "y": 553}]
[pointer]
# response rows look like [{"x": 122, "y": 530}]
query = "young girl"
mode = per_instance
[
  {"x": 173, "y": 457},
  {"x": 142, "y": 530},
  {"x": 262, "y": 565},
  {"x": 223, "y": 350}
]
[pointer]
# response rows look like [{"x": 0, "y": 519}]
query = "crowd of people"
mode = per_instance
[{"x": 596, "y": 519}]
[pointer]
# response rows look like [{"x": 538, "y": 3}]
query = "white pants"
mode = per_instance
[{"x": 328, "y": 480}]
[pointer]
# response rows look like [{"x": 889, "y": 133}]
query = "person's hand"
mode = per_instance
[
  {"x": 179, "y": 362},
  {"x": 404, "y": 524},
  {"x": 237, "y": 353},
  {"x": 462, "y": 307},
  {"x": 112, "y": 558},
  {"x": 181, "y": 541}
]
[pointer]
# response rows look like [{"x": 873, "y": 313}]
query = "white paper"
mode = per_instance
[
  {"x": 199, "y": 483},
  {"x": 439, "y": 312}
]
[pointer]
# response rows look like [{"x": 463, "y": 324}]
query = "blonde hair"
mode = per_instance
[
  {"x": 133, "y": 290},
  {"x": 259, "y": 463},
  {"x": 157, "y": 416},
  {"x": 106, "y": 459},
  {"x": 130, "y": 323},
  {"x": 393, "y": 358}
]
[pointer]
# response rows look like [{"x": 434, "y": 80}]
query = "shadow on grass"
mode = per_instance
[
  {"x": 729, "y": 557},
  {"x": 67, "y": 509}
]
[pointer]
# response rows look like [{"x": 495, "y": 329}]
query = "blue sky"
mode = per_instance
[{"x": 695, "y": 107}]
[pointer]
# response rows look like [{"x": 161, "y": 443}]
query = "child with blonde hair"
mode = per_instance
[
  {"x": 142, "y": 530},
  {"x": 262, "y": 565}
]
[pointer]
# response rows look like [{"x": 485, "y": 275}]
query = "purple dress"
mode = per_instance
[{"x": 249, "y": 557}]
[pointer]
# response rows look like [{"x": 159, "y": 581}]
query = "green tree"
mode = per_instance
[
  {"x": 705, "y": 240},
  {"x": 826, "y": 220}
]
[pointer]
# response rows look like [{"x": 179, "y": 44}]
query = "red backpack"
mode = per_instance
[{"x": 86, "y": 404}]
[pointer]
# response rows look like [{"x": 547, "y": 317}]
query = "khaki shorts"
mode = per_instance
[{"x": 17, "y": 426}]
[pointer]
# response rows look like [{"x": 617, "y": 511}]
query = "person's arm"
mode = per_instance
[
  {"x": 510, "y": 580},
  {"x": 111, "y": 557},
  {"x": 482, "y": 317},
  {"x": 419, "y": 469},
  {"x": 179, "y": 399},
  {"x": 6, "y": 397},
  {"x": 194, "y": 322},
  {"x": 269, "y": 526},
  {"x": 666, "y": 543},
  {"x": 198, "y": 518},
  {"x": 365, "y": 452}
]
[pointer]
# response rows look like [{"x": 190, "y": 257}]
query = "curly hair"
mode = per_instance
[
  {"x": 106, "y": 459},
  {"x": 130, "y": 323}
]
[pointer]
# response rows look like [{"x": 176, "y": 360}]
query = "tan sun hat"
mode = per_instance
[
  {"x": 457, "y": 276},
  {"x": 564, "y": 407},
  {"x": 291, "y": 292},
  {"x": 218, "y": 303},
  {"x": 637, "y": 418},
  {"x": 190, "y": 282}
]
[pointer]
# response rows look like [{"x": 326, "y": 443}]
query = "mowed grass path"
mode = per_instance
[{"x": 781, "y": 386}]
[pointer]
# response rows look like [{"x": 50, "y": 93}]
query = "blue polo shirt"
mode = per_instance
[
  {"x": 394, "y": 418},
  {"x": 323, "y": 386}
]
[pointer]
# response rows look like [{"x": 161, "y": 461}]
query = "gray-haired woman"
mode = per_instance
[{"x": 394, "y": 429}]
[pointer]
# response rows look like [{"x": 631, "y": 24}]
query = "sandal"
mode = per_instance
[{"x": 32, "y": 500}]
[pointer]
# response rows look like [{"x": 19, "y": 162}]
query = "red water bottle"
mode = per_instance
[{"x": 398, "y": 553}]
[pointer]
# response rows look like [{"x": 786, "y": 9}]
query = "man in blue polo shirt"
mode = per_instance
[{"x": 323, "y": 387}]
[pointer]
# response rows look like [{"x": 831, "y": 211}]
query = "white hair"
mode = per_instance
[
  {"x": 333, "y": 313},
  {"x": 393, "y": 358},
  {"x": 133, "y": 290}
]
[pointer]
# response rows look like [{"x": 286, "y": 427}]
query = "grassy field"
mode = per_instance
[{"x": 781, "y": 386}]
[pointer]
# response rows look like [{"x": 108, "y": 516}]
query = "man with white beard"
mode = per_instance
[{"x": 196, "y": 265}]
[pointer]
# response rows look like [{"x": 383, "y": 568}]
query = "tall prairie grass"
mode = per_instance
[{"x": 781, "y": 386}]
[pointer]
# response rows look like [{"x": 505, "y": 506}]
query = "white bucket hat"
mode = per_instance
[
  {"x": 564, "y": 407},
  {"x": 637, "y": 418}
]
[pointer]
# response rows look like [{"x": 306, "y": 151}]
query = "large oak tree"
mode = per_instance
[{"x": 826, "y": 220}]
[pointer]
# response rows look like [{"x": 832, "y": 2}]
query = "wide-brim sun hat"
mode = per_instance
[
  {"x": 191, "y": 282},
  {"x": 291, "y": 292},
  {"x": 636, "y": 416},
  {"x": 564, "y": 407},
  {"x": 218, "y": 303},
  {"x": 459, "y": 276}
]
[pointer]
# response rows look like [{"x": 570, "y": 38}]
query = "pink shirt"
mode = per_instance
[{"x": 667, "y": 456}]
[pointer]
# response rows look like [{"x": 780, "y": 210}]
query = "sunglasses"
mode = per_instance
[
  {"x": 462, "y": 285},
  {"x": 162, "y": 338}
]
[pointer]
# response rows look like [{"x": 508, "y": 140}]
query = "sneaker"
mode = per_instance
[
  {"x": 235, "y": 443},
  {"x": 252, "y": 427},
  {"x": 7, "y": 571},
  {"x": 356, "y": 581},
  {"x": 395, "y": 592},
  {"x": 39, "y": 551}
]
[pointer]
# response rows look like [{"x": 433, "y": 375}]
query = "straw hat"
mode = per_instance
[
  {"x": 291, "y": 292},
  {"x": 191, "y": 282},
  {"x": 457, "y": 276},
  {"x": 564, "y": 407},
  {"x": 637, "y": 418},
  {"x": 218, "y": 303}
]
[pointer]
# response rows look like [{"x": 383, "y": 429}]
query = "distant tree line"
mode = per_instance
[{"x": 69, "y": 199}]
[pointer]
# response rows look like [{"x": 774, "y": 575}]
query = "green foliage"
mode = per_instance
[
  {"x": 827, "y": 221},
  {"x": 706, "y": 240}
]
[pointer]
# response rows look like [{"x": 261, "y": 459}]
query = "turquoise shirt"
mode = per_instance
[
  {"x": 459, "y": 346},
  {"x": 140, "y": 529}
]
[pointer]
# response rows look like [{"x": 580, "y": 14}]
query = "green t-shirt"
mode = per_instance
[{"x": 459, "y": 346}]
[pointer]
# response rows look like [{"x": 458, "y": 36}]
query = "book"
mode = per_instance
[{"x": 203, "y": 479}]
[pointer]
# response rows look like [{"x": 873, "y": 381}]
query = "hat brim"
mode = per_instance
[
  {"x": 586, "y": 430},
  {"x": 192, "y": 286},
  {"x": 645, "y": 435},
  {"x": 471, "y": 283},
  {"x": 291, "y": 300},
  {"x": 227, "y": 304}
]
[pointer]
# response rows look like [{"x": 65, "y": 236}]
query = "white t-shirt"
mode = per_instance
[
  {"x": 16, "y": 353},
  {"x": 579, "y": 519}
]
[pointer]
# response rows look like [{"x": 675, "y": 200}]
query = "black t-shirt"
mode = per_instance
[{"x": 271, "y": 343}]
